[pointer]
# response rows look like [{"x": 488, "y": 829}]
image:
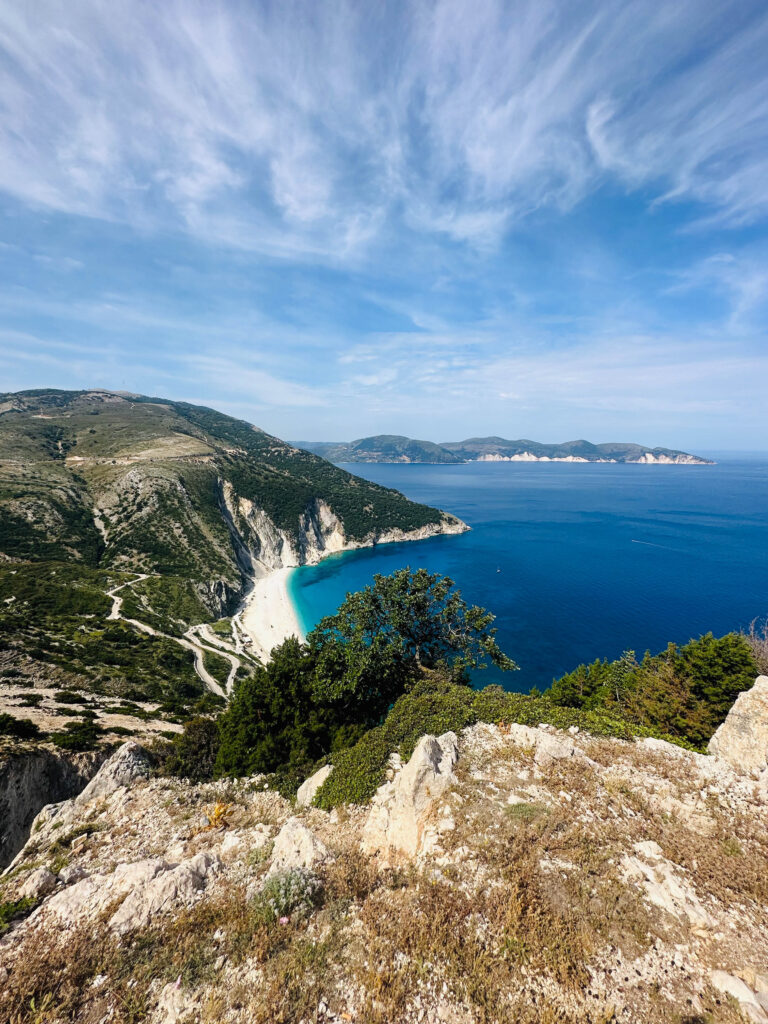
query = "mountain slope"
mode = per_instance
[
  {"x": 395, "y": 448},
  {"x": 102, "y": 487},
  {"x": 382, "y": 448},
  {"x": 165, "y": 487}
]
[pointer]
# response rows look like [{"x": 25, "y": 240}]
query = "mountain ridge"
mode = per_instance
[{"x": 396, "y": 448}]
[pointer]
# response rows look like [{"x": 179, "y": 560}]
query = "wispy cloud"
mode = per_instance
[
  {"x": 287, "y": 128},
  {"x": 440, "y": 217}
]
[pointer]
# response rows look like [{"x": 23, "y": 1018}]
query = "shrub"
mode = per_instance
[
  {"x": 757, "y": 638},
  {"x": 69, "y": 697},
  {"x": 684, "y": 693},
  {"x": 31, "y": 700},
  {"x": 20, "y": 728},
  {"x": 78, "y": 736},
  {"x": 14, "y": 910},
  {"x": 289, "y": 892},
  {"x": 436, "y": 706},
  {"x": 193, "y": 752}
]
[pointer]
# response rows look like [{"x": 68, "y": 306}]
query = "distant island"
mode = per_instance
[{"x": 396, "y": 448}]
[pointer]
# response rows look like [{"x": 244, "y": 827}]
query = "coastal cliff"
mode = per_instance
[
  {"x": 265, "y": 547},
  {"x": 30, "y": 779}
]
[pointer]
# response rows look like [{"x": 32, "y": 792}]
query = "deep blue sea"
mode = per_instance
[{"x": 578, "y": 561}]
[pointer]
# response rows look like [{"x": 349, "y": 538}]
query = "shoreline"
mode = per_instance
[{"x": 269, "y": 616}]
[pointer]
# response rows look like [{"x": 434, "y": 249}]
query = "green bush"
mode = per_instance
[
  {"x": 78, "y": 736},
  {"x": 193, "y": 752},
  {"x": 69, "y": 697},
  {"x": 14, "y": 911},
  {"x": 683, "y": 693},
  {"x": 19, "y": 728},
  {"x": 435, "y": 706}
]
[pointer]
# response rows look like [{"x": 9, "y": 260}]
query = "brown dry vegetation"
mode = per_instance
[{"x": 523, "y": 913}]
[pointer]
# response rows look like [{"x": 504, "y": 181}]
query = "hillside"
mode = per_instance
[
  {"x": 394, "y": 448},
  {"x": 382, "y": 448},
  {"x": 176, "y": 506},
  {"x": 501, "y": 874}
]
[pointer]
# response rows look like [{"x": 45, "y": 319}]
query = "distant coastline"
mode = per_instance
[{"x": 396, "y": 448}]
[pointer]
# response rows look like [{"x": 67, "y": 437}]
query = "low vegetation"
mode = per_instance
[
  {"x": 393, "y": 664},
  {"x": 684, "y": 692}
]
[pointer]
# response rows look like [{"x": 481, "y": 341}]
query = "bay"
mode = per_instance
[{"x": 578, "y": 561}]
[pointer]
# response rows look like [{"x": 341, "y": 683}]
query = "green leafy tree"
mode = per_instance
[
  {"x": 273, "y": 719},
  {"x": 316, "y": 698},
  {"x": 194, "y": 751},
  {"x": 385, "y": 636}
]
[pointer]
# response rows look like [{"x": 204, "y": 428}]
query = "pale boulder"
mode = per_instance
[
  {"x": 129, "y": 763},
  {"x": 307, "y": 790},
  {"x": 401, "y": 808},
  {"x": 732, "y": 986},
  {"x": 165, "y": 890},
  {"x": 296, "y": 846},
  {"x": 742, "y": 739},
  {"x": 664, "y": 886},
  {"x": 38, "y": 883}
]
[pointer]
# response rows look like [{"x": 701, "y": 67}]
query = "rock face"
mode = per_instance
[
  {"x": 129, "y": 763},
  {"x": 664, "y": 885},
  {"x": 38, "y": 883},
  {"x": 263, "y": 547},
  {"x": 31, "y": 780},
  {"x": 307, "y": 790},
  {"x": 749, "y": 1002},
  {"x": 742, "y": 739},
  {"x": 297, "y": 847},
  {"x": 164, "y": 890},
  {"x": 634, "y": 868},
  {"x": 400, "y": 809}
]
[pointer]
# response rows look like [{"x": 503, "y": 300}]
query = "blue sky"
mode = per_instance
[{"x": 439, "y": 218}]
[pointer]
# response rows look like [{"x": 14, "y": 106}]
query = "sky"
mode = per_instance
[{"x": 443, "y": 218}]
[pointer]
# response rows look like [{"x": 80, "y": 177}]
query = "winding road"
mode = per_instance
[{"x": 190, "y": 640}]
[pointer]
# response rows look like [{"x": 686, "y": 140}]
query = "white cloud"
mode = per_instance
[{"x": 297, "y": 129}]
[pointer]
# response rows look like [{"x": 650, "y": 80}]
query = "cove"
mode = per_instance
[{"x": 577, "y": 561}]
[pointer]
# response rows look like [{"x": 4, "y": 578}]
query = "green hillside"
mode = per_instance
[
  {"x": 396, "y": 448},
  {"x": 96, "y": 487}
]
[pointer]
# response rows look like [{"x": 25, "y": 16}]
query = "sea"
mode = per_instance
[{"x": 577, "y": 561}]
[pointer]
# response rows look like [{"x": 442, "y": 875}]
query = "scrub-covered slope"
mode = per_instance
[
  {"x": 148, "y": 485},
  {"x": 126, "y": 520}
]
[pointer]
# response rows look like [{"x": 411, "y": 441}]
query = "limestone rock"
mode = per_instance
[
  {"x": 664, "y": 885},
  {"x": 72, "y": 873},
  {"x": 742, "y": 739},
  {"x": 128, "y": 763},
  {"x": 400, "y": 808},
  {"x": 551, "y": 748},
  {"x": 174, "y": 1005},
  {"x": 297, "y": 847},
  {"x": 38, "y": 883},
  {"x": 93, "y": 893},
  {"x": 164, "y": 890},
  {"x": 308, "y": 788},
  {"x": 742, "y": 993}
]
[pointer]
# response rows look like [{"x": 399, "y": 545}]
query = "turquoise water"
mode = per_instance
[{"x": 578, "y": 561}]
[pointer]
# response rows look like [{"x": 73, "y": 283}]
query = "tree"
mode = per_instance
[
  {"x": 273, "y": 719},
  {"x": 315, "y": 698},
  {"x": 194, "y": 751},
  {"x": 383, "y": 637}
]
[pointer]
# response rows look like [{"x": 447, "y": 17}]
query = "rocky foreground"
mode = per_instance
[{"x": 506, "y": 874}]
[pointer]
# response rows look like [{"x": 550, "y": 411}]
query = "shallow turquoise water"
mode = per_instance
[{"x": 578, "y": 561}]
